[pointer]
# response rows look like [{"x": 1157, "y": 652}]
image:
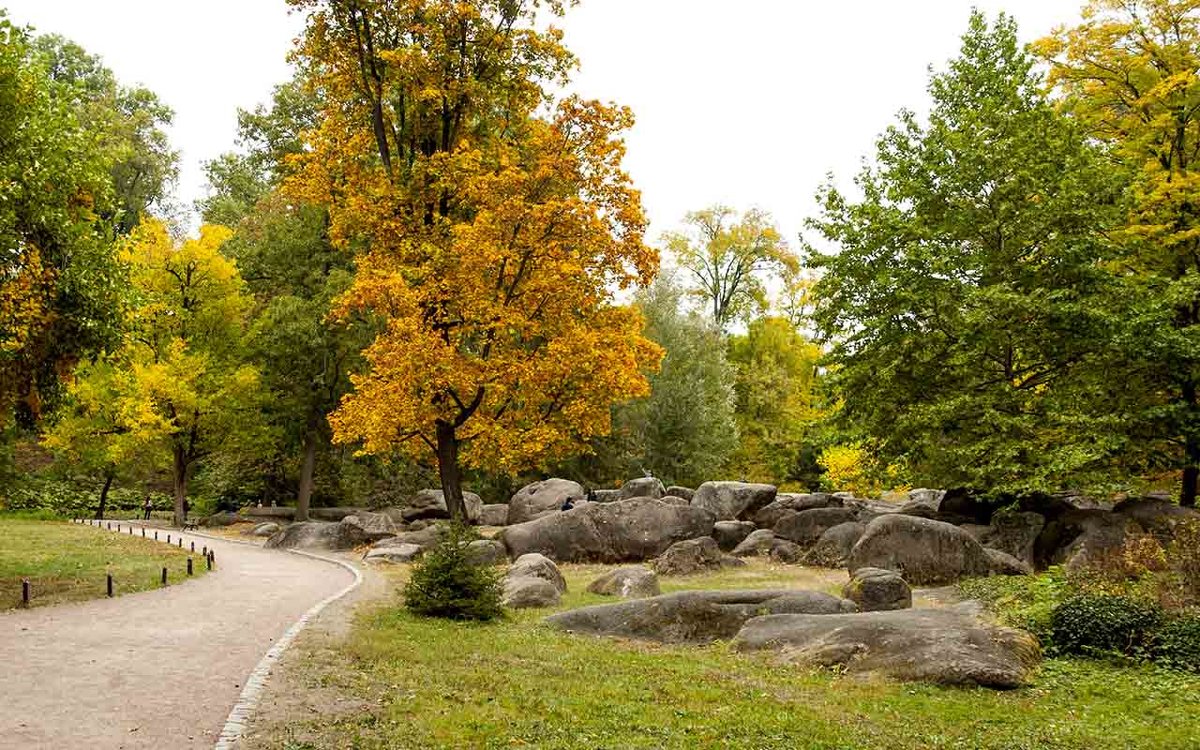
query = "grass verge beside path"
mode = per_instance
[
  {"x": 67, "y": 562},
  {"x": 407, "y": 682}
]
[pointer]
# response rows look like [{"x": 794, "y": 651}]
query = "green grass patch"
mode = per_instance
[
  {"x": 67, "y": 562},
  {"x": 423, "y": 683}
]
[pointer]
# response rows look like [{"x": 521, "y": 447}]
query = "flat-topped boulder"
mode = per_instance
[
  {"x": 924, "y": 551},
  {"x": 805, "y": 527},
  {"x": 943, "y": 646},
  {"x": 629, "y": 582},
  {"x": 539, "y": 499},
  {"x": 733, "y": 501},
  {"x": 877, "y": 590},
  {"x": 729, "y": 534},
  {"x": 371, "y": 526},
  {"x": 643, "y": 487},
  {"x": 692, "y": 556},
  {"x": 693, "y": 616},
  {"x": 495, "y": 514},
  {"x": 624, "y": 531},
  {"x": 318, "y": 535},
  {"x": 770, "y": 514}
]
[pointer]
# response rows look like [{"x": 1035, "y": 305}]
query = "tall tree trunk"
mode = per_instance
[
  {"x": 447, "y": 456},
  {"x": 179, "y": 478},
  {"x": 306, "y": 475},
  {"x": 1191, "y": 467},
  {"x": 108, "y": 480}
]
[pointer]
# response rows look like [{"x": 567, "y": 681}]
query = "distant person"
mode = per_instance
[
  {"x": 568, "y": 504},
  {"x": 146, "y": 508},
  {"x": 591, "y": 495}
]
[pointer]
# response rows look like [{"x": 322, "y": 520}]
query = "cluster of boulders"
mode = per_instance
[{"x": 931, "y": 537}]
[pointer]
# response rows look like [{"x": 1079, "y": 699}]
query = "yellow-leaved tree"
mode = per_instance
[
  {"x": 493, "y": 224},
  {"x": 178, "y": 386}
]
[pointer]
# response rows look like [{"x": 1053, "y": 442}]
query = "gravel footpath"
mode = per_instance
[{"x": 155, "y": 669}]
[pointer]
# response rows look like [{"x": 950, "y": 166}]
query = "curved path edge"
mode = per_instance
[{"x": 235, "y": 724}]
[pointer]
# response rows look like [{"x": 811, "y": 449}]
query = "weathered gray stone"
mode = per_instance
[
  {"x": 606, "y": 496},
  {"x": 729, "y": 534},
  {"x": 796, "y": 502},
  {"x": 693, "y": 616},
  {"x": 624, "y": 531},
  {"x": 1157, "y": 516},
  {"x": 685, "y": 492},
  {"x": 493, "y": 515},
  {"x": 541, "y": 499},
  {"x": 371, "y": 526},
  {"x": 223, "y": 518},
  {"x": 529, "y": 592},
  {"x": 877, "y": 590},
  {"x": 731, "y": 501},
  {"x": 1004, "y": 564},
  {"x": 423, "y": 538},
  {"x": 317, "y": 535},
  {"x": 270, "y": 528},
  {"x": 786, "y": 552},
  {"x": 806, "y": 527},
  {"x": 689, "y": 557},
  {"x": 399, "y": 553},
  {"x": 759, "y": 542},
  {"x": 833, "y": 548},
  {"x": 1015, "y": 533},
  {"x": 326, "y": 514},
  {"x": 486, "y": 552},
  {"x": 924, "y": 551},
  {"x": 534, "y": 565},
  {"x": 630, "y": 582},
  {"x": 431, "y": 504},
  {"x": 943, "y": 646},
  {"x": 1078, "y": 538},
  {"x": 643, "y": 487},
  {"x": 673, "y": 500}
]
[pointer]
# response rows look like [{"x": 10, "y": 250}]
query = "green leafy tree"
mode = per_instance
[
  {"x": 776, "y": 402},
  {"x": 730, "y": 260},
  {"x": 966, "y": 297}
]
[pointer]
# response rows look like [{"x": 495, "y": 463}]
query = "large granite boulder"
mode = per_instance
[
  {"x": 729, "y": 534},
  {"x": 1004, "y": 564},
  {"x": 486, "y": 552},
  {"x": 806, "y": 527},
  {"x": 944, "y": 646},
  {"x": 534, "y": 565},
  {"x": 685, "y": 492},
  {"x": 1156, "y": 516},
  {"x": 524, "y": 593},
  {"x": 396, "y": 553},
  {"x": 542, "y": 498},
  {"x": 371, "y": 526},
  {"x": 924, "y": 551},
  {"x": 877, "y": 590},
  {"x": 223, "y": 518},
  {"x": 270, "y": 528},
  {"x": 759, "y": 542},
  {"x": 1014, "y": 532},
  {"x": 786, "y": 552},
  {"x": 624, "y": 531},
  {"x": 318, "y": 535},
  {"x": 833, "y": 548},
  {"x": 643, "y": 487},
  {"x": 495, "y": 514},
  {"x": 693, "y": 616},
  {"x": 689, "y": 557},
  {"x": 1078, "y": 538},
  {"x": 732, "y": 501},
  {"x": 428, "y": 504},
  {"x": 770, "y": 514},
  {"x": 629, "y": 582}
]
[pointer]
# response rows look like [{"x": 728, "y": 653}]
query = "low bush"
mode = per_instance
[
  {"x": 1104, "y": 623},
  {"x": 1177, "y": 642},
  {"x": 446, "y": 583},
  {"x": 67, "y": 499}
]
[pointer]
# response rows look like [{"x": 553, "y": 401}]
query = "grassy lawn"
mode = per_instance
[
  {"x": 66, "y": 562},
  {"x": 417, "y": 683}
]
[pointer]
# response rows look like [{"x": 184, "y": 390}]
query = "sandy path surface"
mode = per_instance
[{"x": 157, "y": 669}]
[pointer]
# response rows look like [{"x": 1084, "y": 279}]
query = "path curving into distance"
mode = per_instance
[{"x": 157, "y": 669}]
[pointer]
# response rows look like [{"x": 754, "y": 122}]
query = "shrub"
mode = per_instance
[
  {"x": 446, "y": 583},
  {"x": 1104, "y": 623},
  {"x": 1026, "y": 602},
  {"x": 1177, "y": 642}
]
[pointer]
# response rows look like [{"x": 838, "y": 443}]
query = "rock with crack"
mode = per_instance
[
  {"x": 397, "y": 553},
  {"x": 833, "y": 548},
  {"x": 624, "y": 531},
  {"x": 534, "y": 565},
  {"x": 729, "y": 534},
  {"x": 690, "y": 557},
  {"x": 759, "y": 542},
  {"x": 431, "y": 504},
  {"x": 495, "y": 514},
  {"x": 533, "y": 581},
  {"x": 943, "y": 646},
  {"x": 629, "y": 582},
  {"x": 924, "y": 551},
  {"x": 795, "y": 502},
  {"x": 371, "y": 526},
  {"x": 541, "y": 499},
  {"x": 643, "y": 487},
  {"x": 318, "y": 535},
  {"x": 805, "y": 527},
  {"x": 694, "y": 616}
]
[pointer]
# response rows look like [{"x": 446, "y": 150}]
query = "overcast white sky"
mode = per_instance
[{"x": 742, "y": 102}]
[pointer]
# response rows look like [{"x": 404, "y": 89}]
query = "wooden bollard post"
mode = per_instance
[
  {"x": 110, "y": 525},
  {"x": 180, "y": 542},
  {"x": 108, "y": 584},
  {"x": 24, "y": 592},
  {"x": 143, "y": 532},
  {"x": 156, "y": 536},
  {"x": 208, "y": 562},
  {"x": 164, "y": 576},
  {"x": 193, "y": 546},
  {"x": 205, "y": 550},
  {"x": 189, "y": 566},
  {"x": 168, "y": 538}
]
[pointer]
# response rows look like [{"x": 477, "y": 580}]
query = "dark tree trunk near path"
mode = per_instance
[
  {"x": 108, "y": 480},
  {"x": 447, "y": 457},
  {"x": 179, "y": 479},
  {"x": 306, "y": 475}
]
